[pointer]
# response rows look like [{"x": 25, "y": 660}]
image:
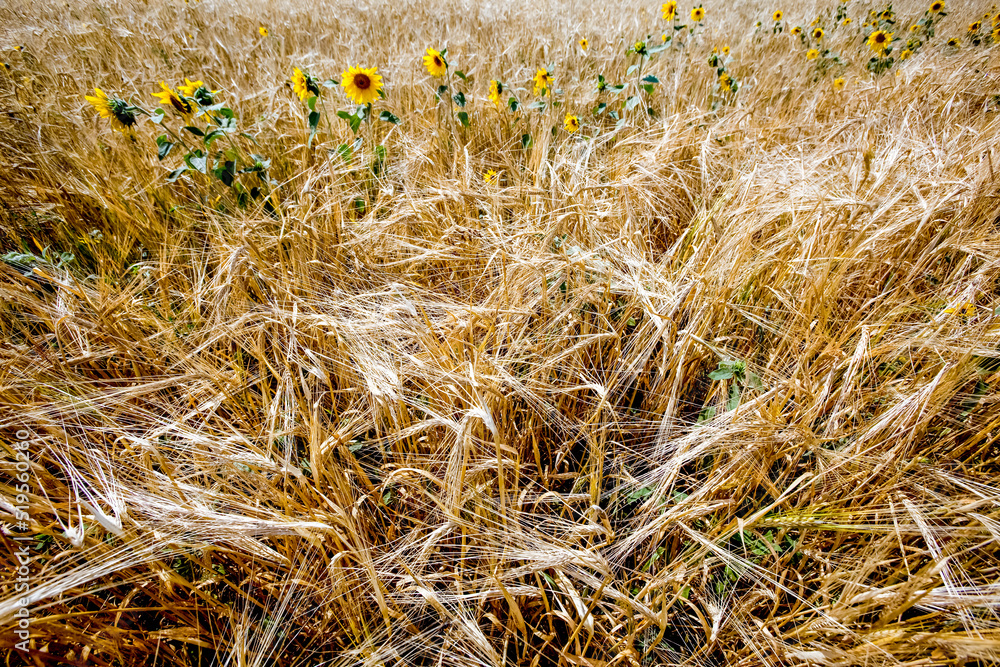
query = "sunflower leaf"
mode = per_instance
[
  {"x": 513, "y": 104},
  {"x": 194, "y": 130},
  {"x": 156, "y": 116},
  {"x": 389, "y": 117},
  {"x": 526, "y": 141},
  {"x": 649, "y": 78},
  {"x": 459, "y": 99},
  {"x": 163, "y": 146},
  {"x": 176, "y": 173},
  {"x": 331, "y": 83},
  {"x": 461, "y": 75},
  {"x": 463, "y": 118}
]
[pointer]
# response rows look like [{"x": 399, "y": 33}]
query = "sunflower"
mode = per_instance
[
  {"x": 953, "y": 42},
  {"x": 905, "y": 53},
  {"x": 571, "y": 123},
  {"x": 496, "y": 90},
  {"x": 171, "y": 98},
  {"x": 975, "y": 26},
  {"x": 362, "y": 85},
  {"x": 886, "y": 15},
  {"x": 967, "y": 309},
  {"x": 818, "y": 34},
  {"x": 264, "y": 32},
  {"x": 543, "y": 81},
  {"x": 777, "y": 15},
  {"x": 584, "y": 44},
  {"x": 304, "y": 84},
  {"x": 197, "y": 90},
  {"x": 669, "y": 10},
  {"x": 995, "y": 35},
  {"x": 725, "y": 50},
  {"x": 435, "y": 63},
  {"x": 812, "y": 54},
  {"x": 119, "y": 112},
  {"x": 797, "y": 30},
  {"x": 838, "y": 84},
  {"x": 726, "y": 81},
  {"x": 936, "y": 7},
  {"x": 996, "y": 19},
  {"x": 697, "y": 14},
  {"x": 879, "y": 41},
  {"x": 640, "y": 48},
  {"x": 489, "y": 176},
  {"x": 846, "y": 21}
]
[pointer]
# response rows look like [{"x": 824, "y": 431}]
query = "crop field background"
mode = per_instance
[{"x": 588, "y": 338}]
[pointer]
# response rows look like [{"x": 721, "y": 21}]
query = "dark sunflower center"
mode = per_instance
[
  {"x": 362, "y": 82},
  {"x": 181, "y": 105},
  {"x": 437, "y": 61},
  {"x": 880, "y": 39}
]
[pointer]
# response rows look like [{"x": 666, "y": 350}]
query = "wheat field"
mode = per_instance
[{"x": 677, "y": 345}]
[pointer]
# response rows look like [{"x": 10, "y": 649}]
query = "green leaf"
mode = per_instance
[
  {"x": 175, "y": 174},
  {"x": 331, "y": 83},
  {"x": 463, "y": 118},
  {"x": 344, "y": 150},
  {"x": 537, "y": 104},
  {"x": 442, "y": 89},
  {"x": 721, "y": 374},
  {"x": 734, "y": 399},
  {"x": 648, "y": 87},
  {"x": 649, "y": 78},
  {"x": 459, "y": 99},
  {"x": 631, "y": 68},
  {"x": 526, "y": 141},
  {"x": 631, "y": 103},
  {"x": 600, "y": 108},
  {"x": 314, "y": 117},
  {"x": 311, "y": 103},
  {"x": 388, "y": 117},
  {"x": 156, "y": 116},
  {"x": 163, "y": 147},
  {"x": 513, "y": 104},
  {"x": 194, "y": 130},
  {"x": 197, "y": 161},
  {"x": 460, "y": 74}
]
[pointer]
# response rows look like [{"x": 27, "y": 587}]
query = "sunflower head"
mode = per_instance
[
  {"x": 847, "y": 21},
  {"x": 725, "y": 50},
  {"x": 584, "y": 44},
  {"x": 496, "y": 90},
  {"x": 542, "y": 81},
  {"x": 995, "y": 35},
  {"x": 879, "y": 41},
  {"x": 264, "y": 32},
  {"x": 967, "y": 309},
  {"x": 777, "y": 15},
  {"x": 812, "y": 54},
  {"x": 975, "y": 26},
  {"x": 435, "y": 63},
  {"x": 936, "y": 7},
  {"x": 817, "y": 34},
  {"x": 119, "y": 112},
  {"x": 669, "y": 10},
  {"x": 886, "y": 15},
  {"x": 362, "y": 85},
  {"x": 571, "y": 123},
  {"x": 905, "y": 53},
  {"x": 725, "y": 80},
  {"x": 304, "y": 84},
  {"x": 489, "y": 176},
  {"x": 697, "y": 14},
  {"x": 639, "y": 47},
  {"x": 171, "y": 98},
  {"x": 199, "y": 91},
  {"x": 797, "y": 30},
  {"x": 953, "y": 43},
  {"x": 838, "y": 84}
]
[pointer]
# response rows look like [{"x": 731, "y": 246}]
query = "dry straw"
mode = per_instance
[{"x": 715, "y": 384}]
